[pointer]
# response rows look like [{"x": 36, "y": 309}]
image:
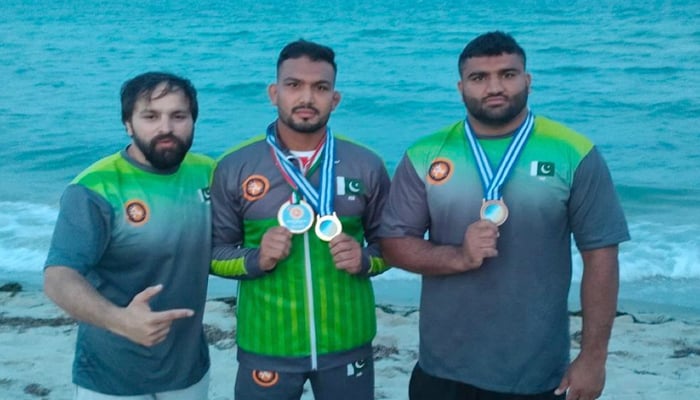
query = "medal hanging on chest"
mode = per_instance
[
  {"x": 296, "y": 215},
  {"x": 493, "y": 208},
  {"x": 328, "y": 225}
]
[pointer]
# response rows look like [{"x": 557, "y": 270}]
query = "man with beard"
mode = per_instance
[
  {"x": 500, "y": 193},
  {"x": 130, "y": 253},
  {"x": 291, "y": 210}
]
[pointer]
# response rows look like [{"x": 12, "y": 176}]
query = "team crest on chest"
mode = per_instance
[
  {"x": 440, "y": 171},
  {"x": 255, "y": 187},
  {"x": 136, "y": 212},
  {"x": 265, "y": 378}
]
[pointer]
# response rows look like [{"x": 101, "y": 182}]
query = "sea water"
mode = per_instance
[{"x": 623, "y": 73}]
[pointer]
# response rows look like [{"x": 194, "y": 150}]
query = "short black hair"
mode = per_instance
[
  {"x": 490, "y": 44},
  {"x": 143, "y": 86},
  {"x": 304, "y": 48}
]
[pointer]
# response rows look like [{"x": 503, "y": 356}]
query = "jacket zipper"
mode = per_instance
[{"x": 310, "y": 302}]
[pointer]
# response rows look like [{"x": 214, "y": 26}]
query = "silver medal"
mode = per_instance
[{"x": 297, "y": 217}]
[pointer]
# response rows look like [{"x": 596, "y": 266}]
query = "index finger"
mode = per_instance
[
  {"x": 342, "y": 237},
  {"x": 279, "y": 231},
  {"x": 485, "y": 224},
  {"x": 176, "y": 313},
  {"x": 145, "y": 295}
]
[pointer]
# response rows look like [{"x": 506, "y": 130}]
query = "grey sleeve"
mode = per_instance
[
  {"x": 406, "y": 212},
  {"x": 229, "y": 259},
  {"x": 376, "y": 198},
  {"x": 83, "y": 230},
  {"x": 595, "y": 213}
]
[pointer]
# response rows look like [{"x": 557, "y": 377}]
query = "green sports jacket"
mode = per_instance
[{"x": 304, "y": 314}]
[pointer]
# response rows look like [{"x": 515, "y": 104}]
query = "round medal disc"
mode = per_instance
[
  {"x": 297, "y": 217},
  {"x": 494, "y": 211},
  {"x": 328, "y": 227}
]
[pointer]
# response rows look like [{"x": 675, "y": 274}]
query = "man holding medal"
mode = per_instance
[
  {"x": 500, "y": 194},
  {"x": 292, "y": 210}
]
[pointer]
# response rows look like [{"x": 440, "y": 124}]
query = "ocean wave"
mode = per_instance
[
  {"x": 25, "y": 233},
  {"x": 657, "y": 249}
]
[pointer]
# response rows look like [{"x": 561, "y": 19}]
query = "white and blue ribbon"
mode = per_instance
[
  {"x": 321, "y": 200},
  {"x": 491, "y": 183}
]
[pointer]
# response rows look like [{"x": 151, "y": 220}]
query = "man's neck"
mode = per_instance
[
  {"x": 481, "y": 129},
  {"x": 299, "y": 141}
]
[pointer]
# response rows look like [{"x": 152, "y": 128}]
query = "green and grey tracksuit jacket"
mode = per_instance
[{"x": 305, "y": 314}]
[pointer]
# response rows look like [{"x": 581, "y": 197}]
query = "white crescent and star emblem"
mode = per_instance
[
  {"x": 542, "y": 168},
  {"x": 354, "y": 186}
]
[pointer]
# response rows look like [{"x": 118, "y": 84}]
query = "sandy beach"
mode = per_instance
[{"x": 653, "y": 355}]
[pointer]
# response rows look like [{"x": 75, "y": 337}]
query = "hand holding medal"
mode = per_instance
[
  {"x": 480, "y": 242},
  {"x": 274, "y": 246},
  {"x": 347, "y": 253}
]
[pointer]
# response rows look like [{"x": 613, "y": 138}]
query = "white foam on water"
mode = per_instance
[{"x": 25, "y": 233}]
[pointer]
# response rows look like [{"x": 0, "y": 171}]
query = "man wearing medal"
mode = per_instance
[
  {"x": 292, "y": 211},
  {"x": 500, "y": 195}
]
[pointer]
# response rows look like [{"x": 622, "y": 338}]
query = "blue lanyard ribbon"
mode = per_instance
[
  {"x": 321, "y": 200},
  {"x": 491, "y": 183}
]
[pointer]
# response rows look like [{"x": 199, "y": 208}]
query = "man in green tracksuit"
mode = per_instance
[{"x": 291, "y": 211}]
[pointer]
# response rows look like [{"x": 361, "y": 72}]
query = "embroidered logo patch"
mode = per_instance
[
  {"x": 136, "y": 212},
  {"x": 265, "y": 378},
  {"x": 440, "y": 171},
  {"x": 255, "y": 187}
]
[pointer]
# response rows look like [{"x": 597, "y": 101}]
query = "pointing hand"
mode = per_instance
[{"x": 140, "y": 324}]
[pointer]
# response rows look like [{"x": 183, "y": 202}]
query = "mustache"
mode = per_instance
[
  {"x": 297, "y": 108},
  {"x": 496, "y": 96},
  {"x": 164, "y": 136}
]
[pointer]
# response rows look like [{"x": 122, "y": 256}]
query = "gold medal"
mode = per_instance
[
  {"x": 494, "y": 211},
  {"x": 328, "y": 227}
]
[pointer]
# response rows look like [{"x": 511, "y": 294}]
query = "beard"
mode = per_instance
[
  {"x": 496, "y": 117},
  {"x": 303, "y": 126},
  {"x": 167, "y": 158}
]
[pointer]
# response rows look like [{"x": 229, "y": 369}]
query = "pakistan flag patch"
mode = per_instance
[
  {"x": 542, "y": 168},
  {"x": 348, "y": 186}
]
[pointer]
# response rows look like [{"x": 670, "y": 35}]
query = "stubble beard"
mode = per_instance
[{"x": 302, "y": 126}]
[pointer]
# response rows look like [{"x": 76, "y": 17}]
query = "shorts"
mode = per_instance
[
  {"x": 199, "y": 390},
  {"x": 427, "y": 387},
  {"x": 354, "y": 381}
]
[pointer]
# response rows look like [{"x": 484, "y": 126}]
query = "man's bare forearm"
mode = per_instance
[
  {"x": 599, "y": 289},
  {"x": 74, "y": 294},
  {"x": 420, "y": 256}
]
